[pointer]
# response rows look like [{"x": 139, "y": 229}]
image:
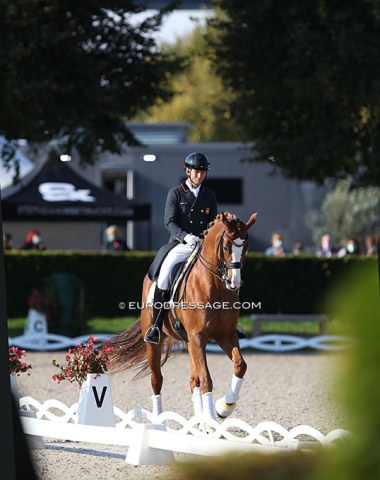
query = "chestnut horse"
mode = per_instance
[{"x": 212, "y": 286}]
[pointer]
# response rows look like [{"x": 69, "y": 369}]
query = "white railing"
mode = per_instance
[
  {"x": 269, "y": 343},
  {"x": 288, "y": 343},
  {"x": 151, "y": 441},
  {"x": 51, "y": 341}
]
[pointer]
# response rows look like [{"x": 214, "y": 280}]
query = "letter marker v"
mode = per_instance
[{"x": 99, "y": 402}]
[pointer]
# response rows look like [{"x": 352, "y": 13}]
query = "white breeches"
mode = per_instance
[{"x": 177, "y": 254}]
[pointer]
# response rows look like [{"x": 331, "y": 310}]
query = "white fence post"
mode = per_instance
[
  {"x": 140, "y": 453},
  {"x": 36, "y": 327}
]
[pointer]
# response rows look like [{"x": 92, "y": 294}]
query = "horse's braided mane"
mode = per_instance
[{"x": 218, "y": 219}]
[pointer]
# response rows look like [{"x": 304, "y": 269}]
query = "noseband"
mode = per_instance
[{"x": 223, "y": 266}]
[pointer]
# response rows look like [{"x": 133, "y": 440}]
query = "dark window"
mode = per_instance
[
  {"x": 116, "y": 183},
  {"x": 227, "y": 190}
]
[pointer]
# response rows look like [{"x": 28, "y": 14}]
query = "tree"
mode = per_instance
[
  {"x": 346, "y": 212},
  {"x": 306, "y": 82},
  {"x": 72, "y": 72},
  {"x": 200, "y": 97}
]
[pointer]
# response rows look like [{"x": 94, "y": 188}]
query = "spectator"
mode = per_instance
[
  {"x": 351, "y": 248},
  {"x": 33, "y": 241},
  {"x": 298, "y": 248},
  {"x": 114, "y": 240},
  {"x": 326, "y": 249},
  {"x": 7, "y": 241},
  {"x": 276, "y": 249},
  {"x": 370, "y": 245}
]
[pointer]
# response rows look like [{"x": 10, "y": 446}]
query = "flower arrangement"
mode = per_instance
[
  {"x": 82, "y": 360},
  {"x": 16, "y": 364}
]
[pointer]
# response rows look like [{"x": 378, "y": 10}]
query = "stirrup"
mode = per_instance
[
  {"x": 153, "y": 335},
  {"x": 241, "y": 333}
]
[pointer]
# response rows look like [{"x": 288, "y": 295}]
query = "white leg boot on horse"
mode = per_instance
[
  {"x": 153, "y": 334},
  {"x": 157, "y": 405},
  {"x": 226, "y": 405},
  {"x": 197, "y": 402},
  {"x": 208, "y": 412}
]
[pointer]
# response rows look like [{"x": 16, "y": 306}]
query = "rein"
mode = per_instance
[{"x": 223, "y": 266}]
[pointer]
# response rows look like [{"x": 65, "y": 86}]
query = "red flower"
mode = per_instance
[
  {"x": 16, "y": 365},
  {"x": 82, "y": 360}
]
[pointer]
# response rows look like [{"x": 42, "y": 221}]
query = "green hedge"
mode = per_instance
[
  {"x": 293, "y": 284},
  {"x": 289, "y": 284}
]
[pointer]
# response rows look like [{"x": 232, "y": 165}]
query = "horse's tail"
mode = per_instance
[{"x": 129, "y": 351}]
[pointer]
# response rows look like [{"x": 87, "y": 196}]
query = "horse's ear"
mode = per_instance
[
  {"x": 251, "y": 221},
  {"x": 224, "y": 218}
]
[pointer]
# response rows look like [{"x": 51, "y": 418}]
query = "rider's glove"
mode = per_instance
[{"x": 191, "y": 240}]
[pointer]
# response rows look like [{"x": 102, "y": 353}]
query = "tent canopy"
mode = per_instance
[{"x": 54, "y": 191}]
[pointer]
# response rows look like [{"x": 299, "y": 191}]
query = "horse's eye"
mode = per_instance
[{"x": 227, "y": 249}]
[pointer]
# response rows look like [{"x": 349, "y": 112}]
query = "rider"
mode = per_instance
[{"x": 189, "y": 208}]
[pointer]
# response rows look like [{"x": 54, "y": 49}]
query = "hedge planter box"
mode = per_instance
[{"x": 95, "y": 405}]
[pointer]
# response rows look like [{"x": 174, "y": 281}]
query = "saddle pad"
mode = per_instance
[{"x": 154, "y": 269}]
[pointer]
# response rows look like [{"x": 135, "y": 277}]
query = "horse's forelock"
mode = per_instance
[
  {"x": 234, "y": 225},
  {"x": 227, "y": 215}
]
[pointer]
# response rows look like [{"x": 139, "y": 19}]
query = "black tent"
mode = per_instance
[{"x": 54, "y": 191}]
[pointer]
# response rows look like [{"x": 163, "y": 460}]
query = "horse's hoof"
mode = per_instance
[
  {"x": 208, "y": 428},
  {"x": 224, "y": 409}
]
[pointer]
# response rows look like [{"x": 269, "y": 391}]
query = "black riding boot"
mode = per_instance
[
  {"x": 241, "y": 334},
  {"x": 153, "y": 334}
]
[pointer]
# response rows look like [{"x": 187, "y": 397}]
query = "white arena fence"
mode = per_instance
[
  {"x": 37, "y": 337},
  {"x": 151, "y": 441},
  {"x": 269, "y": 343}
]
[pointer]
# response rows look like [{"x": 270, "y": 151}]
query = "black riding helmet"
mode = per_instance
[{"x": 197, "y": 161}]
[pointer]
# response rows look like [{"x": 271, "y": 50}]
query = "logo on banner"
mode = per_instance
[{"x": 64, "y": 192}]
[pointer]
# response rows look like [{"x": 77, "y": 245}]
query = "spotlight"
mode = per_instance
[{"x": 149, "y": 157}]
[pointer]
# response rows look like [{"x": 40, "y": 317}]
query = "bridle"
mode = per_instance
[{"x": 223, "y": 267}]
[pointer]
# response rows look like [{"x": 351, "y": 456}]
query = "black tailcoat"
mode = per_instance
[{"x": 185, "y": 213}]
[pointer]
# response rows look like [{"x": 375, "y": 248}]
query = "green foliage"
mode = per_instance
[
  {"x": 16, "y": 326},
  {"x": 292, "y": 284},
  {"x": 107, "y": 279},
  {"x": 280, "y": 466},
  {"x": 117, "y": 325},
  {"x": 72, "y": 72},
  {"x": 347, "y": 213},
  {"x": 305, "y": 83},
  {"x": 280, "y": 285},
  {"x": 357, "y": 302},
  {"x": 200, "y": 98},
  {"x": 95, "y": 325},
  {"x": 109, "y": 325}
]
